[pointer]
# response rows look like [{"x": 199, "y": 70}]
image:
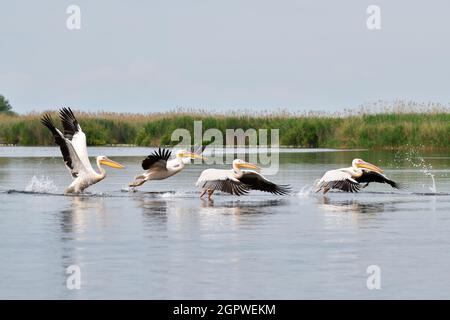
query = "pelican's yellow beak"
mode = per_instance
[
  {"x": 192, "y": 155},
  {"x": 369, "y": 166},
  {"x": 249, "y": 166},
  {"x": 112, "y": 164}
]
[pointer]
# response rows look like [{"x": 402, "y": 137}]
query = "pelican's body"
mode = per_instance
[
  {"x": 237, "y": 181},
  {"x": 159, "y": 165},
  {"x": 87, "y": 178},
  {"x": 350, "y": 179},
  {"x": 74, "y": 151}
]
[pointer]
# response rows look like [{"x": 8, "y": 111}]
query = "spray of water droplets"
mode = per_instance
[
  {"x": 41, "y": 185},
  {"x": 306, "y": 191},
  {"x": 417, "y": 161}
]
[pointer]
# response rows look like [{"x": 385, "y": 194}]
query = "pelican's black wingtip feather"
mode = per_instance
[
  {"x": 67, "y": 113},
  {"x": 396, "y": 185},
  {"x": 284, "y": 189},
  {"x": 155, "y": 156},
  {"x": 47, "y": 121},
  {"x": 69, "y": 122},
  {"x": 163, "y": 153},
  {"x": 343, "y": 185}
]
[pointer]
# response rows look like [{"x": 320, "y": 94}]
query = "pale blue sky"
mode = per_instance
[{"x": 143, "y": 56}]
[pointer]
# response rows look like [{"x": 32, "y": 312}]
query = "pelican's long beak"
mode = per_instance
[
  {"x": 192, "y": 155},
  {"x": 369, "y": 166},
  {"x": 249, "y": 166},
  {"x": 112, "y": 164}
]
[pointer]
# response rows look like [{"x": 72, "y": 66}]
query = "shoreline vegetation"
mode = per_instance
[{"x": 405, "y": 125}]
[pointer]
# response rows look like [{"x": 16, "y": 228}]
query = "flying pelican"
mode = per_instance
[
  {"x": 237, "y": 181},
  {"x": 350, "y": 179},
  {"x": 73, "y": 148},
  {"x": 160, "y": 165}
]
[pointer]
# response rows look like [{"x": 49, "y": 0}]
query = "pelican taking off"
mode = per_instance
[
  {"x": 159, "y": 165},
  {"x": 74, "y": 151},
  {"x": 350, "y": 179},
  {"x": 236, "y": 181}
]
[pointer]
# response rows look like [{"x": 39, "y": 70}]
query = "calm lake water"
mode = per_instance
[{"x": 163, "y": 242}]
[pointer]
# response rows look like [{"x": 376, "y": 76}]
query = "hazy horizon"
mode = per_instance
[
  {"x": 219, "y": 56},
  {"x": 368, "y": 108}
]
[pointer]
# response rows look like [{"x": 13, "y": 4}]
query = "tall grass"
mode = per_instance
[{"x": 386, "y": 129}]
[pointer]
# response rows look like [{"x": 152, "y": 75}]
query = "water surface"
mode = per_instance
[{"x": 163, "y": 242}]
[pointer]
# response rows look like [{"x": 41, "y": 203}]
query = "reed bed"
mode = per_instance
[{"x": 403, "y": 125}]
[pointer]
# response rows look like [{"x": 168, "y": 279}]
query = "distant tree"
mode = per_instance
[{"x": 5, "y": 107}]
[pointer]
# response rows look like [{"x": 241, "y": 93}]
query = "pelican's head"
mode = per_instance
[
  {"x": 239, "y": 164},
  {"x": 186, "y": 155},
  {"x": 361, "y": 164},
  {"x": 104, "y": 160}
]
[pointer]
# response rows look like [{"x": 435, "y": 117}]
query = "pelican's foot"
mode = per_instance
[
  {"x": 138, "y": 181},
  {"x": 134, "y": 185},
  {"x": 210, "y": 193}
]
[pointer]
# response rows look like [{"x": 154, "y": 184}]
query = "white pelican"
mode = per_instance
[
  {"x": 73, "y": 148},
  {"x": 350, "y": 179},
  {"x": 237, "y": 181},
  {"x": 159, "y": 164}
]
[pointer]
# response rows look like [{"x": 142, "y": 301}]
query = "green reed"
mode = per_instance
[{"x": 389, "y": 129}]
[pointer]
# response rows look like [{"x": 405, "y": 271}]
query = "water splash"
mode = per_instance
[
  {"x": 417, "y": 161},
  {"x": 305, "y": 191},
  {"x": 431, "y": 175},
  {"x": 41, "y": 185},
  {"x": 129, "y": 189},
  {"x": 172, "y": 194}
]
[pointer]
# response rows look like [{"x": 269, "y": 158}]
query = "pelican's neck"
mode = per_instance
[
  {"x": 357, "y": 172},
  {"x": 237, "y": 171},
  {"x": 183, "y": 161},
  {"x": 174, "y": 165},
  {"x": 102, "y": 171}
]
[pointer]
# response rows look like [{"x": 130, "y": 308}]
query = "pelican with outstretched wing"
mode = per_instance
[
  {"x": 161, "y": 165},
  {"x": 351, "y": 179},
  {"x": 74, "y": 151},
  {"x": 237, "y": 181}
]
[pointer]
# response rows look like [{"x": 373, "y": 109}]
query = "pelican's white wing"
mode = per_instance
[
  {"x": 338, "y": 179},
  {"x": 73, "y": 133},
  {"x": 70, "y": 156},
  {"x": 222, "y": 180},
  {"x": 79, "y": 144}
]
